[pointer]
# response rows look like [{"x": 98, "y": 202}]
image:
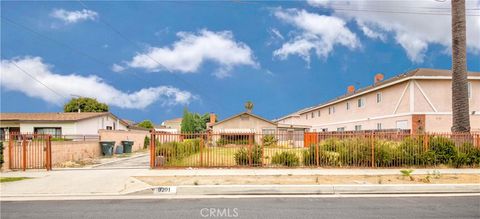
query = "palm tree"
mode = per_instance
[
  {"x": 460, "y": 109},
  {"x": 249, "y": 106}
]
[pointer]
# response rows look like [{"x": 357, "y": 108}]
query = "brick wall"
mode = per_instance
[{"x": 137, "y": 136}]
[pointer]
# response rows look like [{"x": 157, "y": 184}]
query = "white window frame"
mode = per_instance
[
  {"x": 403, "y": 126},
  {"x": 319, "y": 113},
  {"x": 358, "y": 127},
  {"x": 333, "y": 107},
  {"x": 313, "y": 115},
  {"x": 340, "y": 129},
  {"x": 379, "y": 97},
  {"x": 361, "y": 102},
  {"x": 379, "y": 126},
  {"x": 348, "y": 105}
]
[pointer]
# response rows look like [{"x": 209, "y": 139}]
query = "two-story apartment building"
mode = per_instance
[{"x": 419, "y": 100}]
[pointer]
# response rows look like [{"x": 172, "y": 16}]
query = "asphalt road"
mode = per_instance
[{"x": 400, "y": 207}]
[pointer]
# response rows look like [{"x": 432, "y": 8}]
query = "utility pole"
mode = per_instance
[{"x": 460, "y": 108}]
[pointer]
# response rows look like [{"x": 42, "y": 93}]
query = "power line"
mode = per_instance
[
  {"x": 34, "y": 78},
  {"x": 67, "y": 46},
  {"x": 146, "y": 54}
]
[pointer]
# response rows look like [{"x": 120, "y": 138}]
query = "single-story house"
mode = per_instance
[
  {"x": 60, "y": 124},
  {"x": 237, "y": 128}
]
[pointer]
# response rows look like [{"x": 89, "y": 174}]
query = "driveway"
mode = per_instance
[{"x": 136, "y": 161}]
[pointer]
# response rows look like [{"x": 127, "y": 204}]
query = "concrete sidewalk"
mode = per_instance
[{"x": 74, "y": 182}]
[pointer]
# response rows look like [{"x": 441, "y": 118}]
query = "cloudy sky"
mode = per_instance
[{"x": 149, "y": 60}]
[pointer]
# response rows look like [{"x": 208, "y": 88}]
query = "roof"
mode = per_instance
[
  {"x": 420, "y": 73},
  {"x": 243, "y": 113},
  {"x": 53, "y": 117},
  {"x": 176, "y": 120}
]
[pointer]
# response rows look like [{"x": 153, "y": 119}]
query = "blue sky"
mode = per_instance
[{"x": 148, "y": 60}]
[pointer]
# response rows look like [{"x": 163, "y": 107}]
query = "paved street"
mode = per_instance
[{"x": 358, "y": 207}]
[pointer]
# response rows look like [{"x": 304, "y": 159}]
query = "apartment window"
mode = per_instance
[
  {"x": 402, "y": 124},
  {"x": 379, "y": 126},
  {"x": 358, "y": 127},
  {"x": 313, "y": 114},
  {"x": 318, "y": 113},
  {"x": 325, "y": 130},
  {"x": 329, "y": 110},
  {"x": 109, "y": 127},
  {"x": 469, "y": 89},
  {"x": 361, "y": 102},
  {"x": 56, "y": 132},
  {"x": 333, "y": 109},
  {"x": 379, "y": 97},
  {"x": 341, "y": 129},
  {"x": 306, "y": 116},
  {"x": 348, "y": 105}
]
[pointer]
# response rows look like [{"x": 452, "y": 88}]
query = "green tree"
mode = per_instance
[
  {"x": 194, "y": 122},
  {"x": 85, "y": 104},
  {"x": 249, "y": 106},
  {"x": 146, "y": 124}
]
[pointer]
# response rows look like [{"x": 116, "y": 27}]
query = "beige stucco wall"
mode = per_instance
[
  {"x": 443, "y": 123},
  {"x": 63, "y": 151},
  {"x": 137, "y": 136},
  {"x": 421, "y": 91}
]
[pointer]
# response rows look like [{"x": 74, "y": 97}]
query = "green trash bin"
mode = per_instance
[
  {"x": 127, "y": 146},
  {"x": 107, "y": 147}
]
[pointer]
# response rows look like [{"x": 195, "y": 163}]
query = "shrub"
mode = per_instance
[
  {"x": 469, "y": 157},
  {"x": 243, "y": 155},
  {"x": 146, "y": 142},
  {"x": 326, "y": 158},
  {"x": 269, "y": 141},
  {"x": 411, "y": 151},
  {"x": 178, "y": 150},
  {"x": 224, "y": 141},
  {"x": 286, "y": 158},
  {"x": 444, "y": 150},
  {"x": 387, "y": 153}
]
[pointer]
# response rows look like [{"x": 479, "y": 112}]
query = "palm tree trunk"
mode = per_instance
[{"x": 460, "y": 109}]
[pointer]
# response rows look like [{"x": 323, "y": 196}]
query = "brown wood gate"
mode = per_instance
[{"x": 29, "y": 151}]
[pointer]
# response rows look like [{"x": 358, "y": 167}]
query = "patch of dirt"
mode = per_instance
[
  {"x": 308, "y": 179},
  {"x": 73, "y": 164}
]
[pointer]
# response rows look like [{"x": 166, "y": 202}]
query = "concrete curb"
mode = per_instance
[{"x": 324, "y": 189}]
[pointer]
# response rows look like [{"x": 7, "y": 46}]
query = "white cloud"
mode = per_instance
[
  {"x": 317, "y": 32},
  {"x": 71, "y": 17},
  {"x": 88, "y": 86},
  {"x": 117, "y": 68},
  {"x": 193, "y": 49},
  {"x": 414, "y": 32}
]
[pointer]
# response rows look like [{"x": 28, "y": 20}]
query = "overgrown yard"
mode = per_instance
[{"x": 308, "y": 179}]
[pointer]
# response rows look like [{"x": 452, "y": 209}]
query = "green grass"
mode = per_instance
[
  {"x": 12, "y": 179},
  {"x": 224, "y": 156}
]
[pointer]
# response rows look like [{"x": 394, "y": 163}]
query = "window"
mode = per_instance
[
  {"x": 379, "y": 126},
  {"x": 333, "y": 107},
  {"x": 325, "y": 130},
  {"x": 348, "y": 105},
  {"x": 469, "y": 89},
  {"x": 379, "y": 97},
  {"x": 109, "y": 127},
  {"x": 361, "y": 102},
  {"x": 318, "y": 113},
  {"x": 313, "y": 114},
  {"x": 358, "y": 127},
  {"x": 306, "y": 116},
  {"x": 56, "y": 132},
  {"x": 402, "y": 124},
  {"x": 341, "y": 129},
  {"x": 329, "y": 110}
]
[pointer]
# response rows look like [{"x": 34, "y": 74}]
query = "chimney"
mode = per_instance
[
  {"x": 350, "y": 89},
  {"x": 213, "y": 117},
  {"x": 378, "y": 78}
]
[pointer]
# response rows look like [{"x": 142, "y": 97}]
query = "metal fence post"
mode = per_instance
[
  {"x": 201, "y": 151},
  {"x": 10, "y": 148},
  {"x": 250, "y": 149},
  {"x": 373, "y": 148},
  {"x": 316, "y": 154},
  {"x": 24, "y": 152},
  {"x": 152, "y": 149},
  {"x": 49, "y": 153}
]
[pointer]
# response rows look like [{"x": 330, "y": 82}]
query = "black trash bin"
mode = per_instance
[
  {"x": 127, "y": 146},
  {"x": 107, "y": 147}
]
